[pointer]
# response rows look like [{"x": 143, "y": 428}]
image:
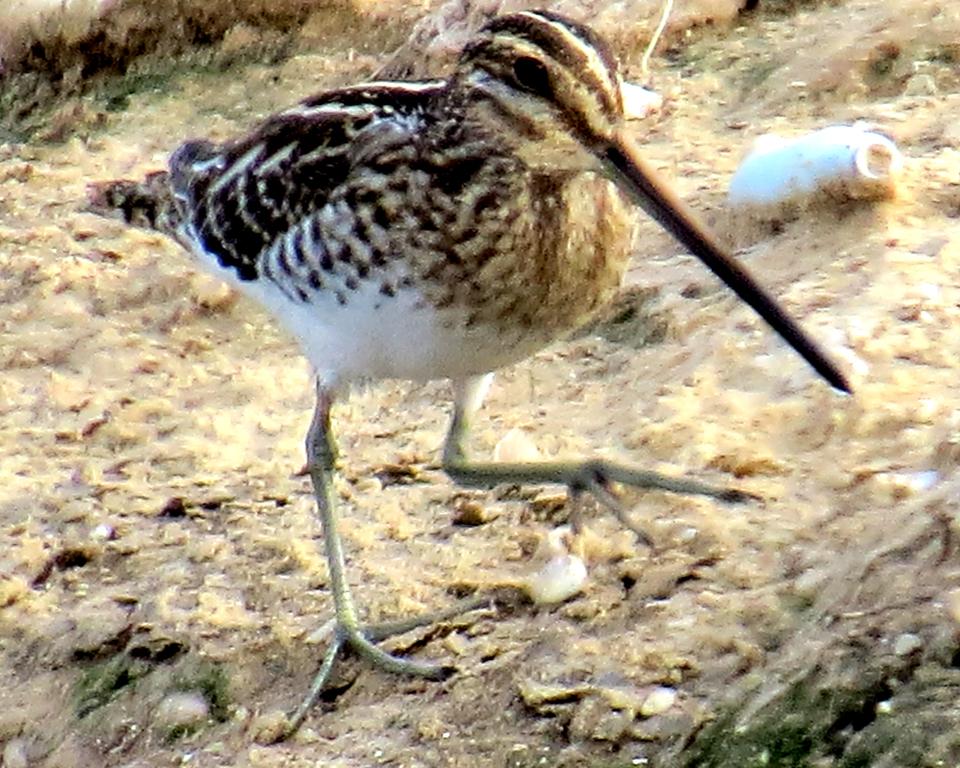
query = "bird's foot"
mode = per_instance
[
  {"x": 363, "y": 640},
  {"x": 596, "y": 477}
]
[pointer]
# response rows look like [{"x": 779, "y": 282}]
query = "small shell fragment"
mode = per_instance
[
  {"x": 564, "y": 573},
  {"x": 838, "y": 162},
  {"x": 560, "y": 579}
]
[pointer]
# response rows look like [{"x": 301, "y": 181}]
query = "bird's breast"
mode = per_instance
[{"x": 548, "y": 259}]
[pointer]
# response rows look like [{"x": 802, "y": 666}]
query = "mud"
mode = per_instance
[{"x": 158, "y": 539}]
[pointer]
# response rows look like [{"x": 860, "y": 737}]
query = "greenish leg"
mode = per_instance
[
  {"x": 321, "y": 456},
  {"x": 591, "y": 476}
]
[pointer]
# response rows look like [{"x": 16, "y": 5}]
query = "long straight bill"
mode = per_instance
[{"x": 639, "y": 181}]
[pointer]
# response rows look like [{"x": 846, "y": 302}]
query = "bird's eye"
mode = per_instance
[{"x": 531, "y": 75}]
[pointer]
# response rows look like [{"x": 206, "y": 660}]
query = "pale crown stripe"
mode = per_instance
[{"x": 596, "y": 63}]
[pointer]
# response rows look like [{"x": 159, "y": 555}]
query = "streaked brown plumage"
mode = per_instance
[{"x": 436, "y": 229}]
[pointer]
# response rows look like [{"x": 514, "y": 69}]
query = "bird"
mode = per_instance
[{"x": 438, "y": 229}]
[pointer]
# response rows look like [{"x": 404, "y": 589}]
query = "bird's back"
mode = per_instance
[{"x": 392, "y": 236}]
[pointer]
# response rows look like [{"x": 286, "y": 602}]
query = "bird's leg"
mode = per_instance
[
  {"x": 348, "y": 632},
  {"x": 594, "y": 476}
]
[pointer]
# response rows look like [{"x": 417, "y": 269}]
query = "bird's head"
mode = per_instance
[
  {"x": 549, "y": 89},
  {"x": 547, "y": 86}
]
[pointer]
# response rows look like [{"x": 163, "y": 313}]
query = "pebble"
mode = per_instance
[
  {"x": 103, "y": 532},
  {"x": 548, "y": 503},
  {"x": 212, "y": 294},
  {"x": 535, "y": 693},
  {"x": 921, "y": 84},
  {"x": 658, "y": 701},
  {"x": 15, "y": 754},
  {"x": 593, "y": 720},
  {"x": 809, "y": 583},
  {"x": 269, "y": 727},
  {"x": 182, "y": 709},
  {"x": 471, "y": 512},
  {"x": 951, "y": 135},
  {"x": 906, "y": 644},
  {"x": 921, "y": 481}
]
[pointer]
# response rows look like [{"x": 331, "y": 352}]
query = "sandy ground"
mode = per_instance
[{"x": 159, "y": 550}]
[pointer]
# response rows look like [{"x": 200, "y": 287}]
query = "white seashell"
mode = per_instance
[
  {"x": 842, "y": 161},
  {"x": 561, "y": 578},
  {"x": 639, "y": 102}
]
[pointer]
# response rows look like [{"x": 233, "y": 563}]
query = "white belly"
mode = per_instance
[{"x": 380, "y": 337}]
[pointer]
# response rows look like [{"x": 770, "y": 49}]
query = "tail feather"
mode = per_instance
[{"x": 149, "y": 204}]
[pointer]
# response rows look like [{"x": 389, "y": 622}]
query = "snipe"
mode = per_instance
[{"x": 438, "y": 229}]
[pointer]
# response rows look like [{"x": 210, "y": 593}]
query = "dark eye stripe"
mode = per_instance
[{"x": 531, "y": 75}]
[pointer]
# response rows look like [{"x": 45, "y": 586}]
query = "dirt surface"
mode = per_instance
[{"x": 161, "y": 570}]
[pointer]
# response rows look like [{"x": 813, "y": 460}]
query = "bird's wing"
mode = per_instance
[{"x": 235, "y": 200}]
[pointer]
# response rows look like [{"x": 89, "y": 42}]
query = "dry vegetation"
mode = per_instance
[{"x": 157, "y": 545}]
